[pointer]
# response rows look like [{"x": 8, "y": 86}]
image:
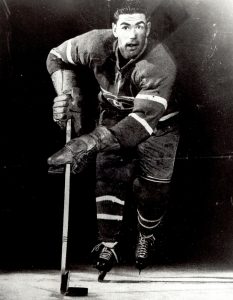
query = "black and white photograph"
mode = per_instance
[{"x": 116, "y": 164}]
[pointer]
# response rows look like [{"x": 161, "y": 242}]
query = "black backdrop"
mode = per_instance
[{"x": 199, "y": 222}]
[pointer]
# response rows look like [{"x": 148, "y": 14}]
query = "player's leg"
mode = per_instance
[
  {"x": 114, "y": 175},
  {"x": 152, "y": 188}
]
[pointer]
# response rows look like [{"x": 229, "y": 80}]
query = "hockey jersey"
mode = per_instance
[{"x": 141, "y": 88}]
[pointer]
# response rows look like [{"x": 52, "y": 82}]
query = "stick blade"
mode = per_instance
[
  {"x": 64, "y": 282},
  {"x": 76, "y": 291}
]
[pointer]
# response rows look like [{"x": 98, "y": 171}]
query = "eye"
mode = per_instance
[
  {"x": 140, "y": 26},
  {"x": 125, "y": 27}
]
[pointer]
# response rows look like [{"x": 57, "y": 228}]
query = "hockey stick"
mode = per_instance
[{"x": 65, "y": 274}]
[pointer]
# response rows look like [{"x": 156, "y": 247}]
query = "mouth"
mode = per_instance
[{"x": 132, "y": 46}]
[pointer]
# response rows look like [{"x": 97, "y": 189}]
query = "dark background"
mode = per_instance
[{"x": 198, "y": 228}]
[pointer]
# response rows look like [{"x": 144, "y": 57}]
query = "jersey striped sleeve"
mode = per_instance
[
  {"x": 150, "y": 105},
  {"x": 61, "y": 57},
  {"x": 69, "y": 54},
  {"x": 142, "y": 121}
]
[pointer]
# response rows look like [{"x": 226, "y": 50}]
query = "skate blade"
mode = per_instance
[{"x": 101, "y": 276}]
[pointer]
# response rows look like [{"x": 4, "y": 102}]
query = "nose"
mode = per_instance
[{"x": 132, "y": 33}]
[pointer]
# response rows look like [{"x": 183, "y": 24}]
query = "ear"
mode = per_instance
[
  {"x": 114, "y": 28},
  {"x": 148, "y": 28}
]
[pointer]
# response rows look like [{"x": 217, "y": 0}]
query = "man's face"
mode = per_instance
[{"x": 131, "y": 30}]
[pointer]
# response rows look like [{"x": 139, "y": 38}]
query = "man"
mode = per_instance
[{"x": 136, "y": 138}]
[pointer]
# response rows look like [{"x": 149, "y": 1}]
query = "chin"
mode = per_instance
[{"x": 131, "y": 55}]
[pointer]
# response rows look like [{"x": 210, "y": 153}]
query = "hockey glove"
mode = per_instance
[
  {"x": 82, "y": 150},
  {"x": 67, "y": 105}
]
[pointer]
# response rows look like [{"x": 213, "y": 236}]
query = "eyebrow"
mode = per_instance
[{"x": 140, "y": 22}]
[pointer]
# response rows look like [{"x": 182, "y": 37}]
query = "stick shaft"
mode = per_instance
[{"x": 66, "y": 205}]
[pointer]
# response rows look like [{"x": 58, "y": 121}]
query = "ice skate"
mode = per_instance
[
  {"x": 105, "y": 259},
  {"x": 143, "y": 251}
]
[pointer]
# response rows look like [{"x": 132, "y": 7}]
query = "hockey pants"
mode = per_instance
[{"x": 143, "y": 173}]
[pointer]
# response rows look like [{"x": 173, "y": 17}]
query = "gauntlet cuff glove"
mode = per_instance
[{"x": 80, "y": 151}]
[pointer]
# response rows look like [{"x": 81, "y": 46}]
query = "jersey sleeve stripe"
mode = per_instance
[
  {"x": 68, "y": 53},
  {"x": 142, "y": 122},
  {"x": 166, "y": 117},
  {"x": 158, "y": 99},
  {"x": 54, "y": 52}
]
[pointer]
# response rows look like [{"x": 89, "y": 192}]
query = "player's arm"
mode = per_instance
[
  {"x": 63, "y": 63},
  {"x": 150, "y": 105}
]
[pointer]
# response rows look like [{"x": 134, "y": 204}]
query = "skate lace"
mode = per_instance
[
  {"x": 143, "y": 245},
  {"x": 96, "y": 248},
  {"x": 107, "y": 254}
]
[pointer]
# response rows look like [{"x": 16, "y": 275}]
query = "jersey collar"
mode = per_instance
[{"x": 132, "y": 60}]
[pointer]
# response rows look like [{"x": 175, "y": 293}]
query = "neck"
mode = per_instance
[{"x": 122, "y": 60}]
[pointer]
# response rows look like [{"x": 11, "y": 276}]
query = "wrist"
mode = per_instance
[{"x": 104, "y": 138}]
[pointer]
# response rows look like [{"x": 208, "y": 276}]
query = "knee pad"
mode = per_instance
[{"x": 151, "y": 197}]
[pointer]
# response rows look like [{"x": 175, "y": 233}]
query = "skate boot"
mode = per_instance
[
  {"x": 105, "y": 259},
  {"x": 143, "y": 251}
]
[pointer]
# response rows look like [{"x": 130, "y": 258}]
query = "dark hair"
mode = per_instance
[{"x": 130, "y": 7}]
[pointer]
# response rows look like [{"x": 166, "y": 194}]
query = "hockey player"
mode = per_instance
[{"x": 136, "y": 138}]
